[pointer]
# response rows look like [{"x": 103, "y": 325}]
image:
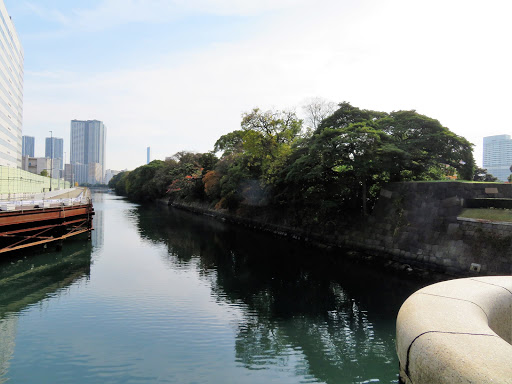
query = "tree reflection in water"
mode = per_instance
[{"x": 296, "y": 299}]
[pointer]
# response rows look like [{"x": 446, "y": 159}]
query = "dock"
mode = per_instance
[{"x": 29, "y": 220}]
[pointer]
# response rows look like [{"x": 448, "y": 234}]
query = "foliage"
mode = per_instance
[
  {"x": 44, "y": 172},
  {"x": 335, "y": 170},
  {"x": 480, "y": 174}
]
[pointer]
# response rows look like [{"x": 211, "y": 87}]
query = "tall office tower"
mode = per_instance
[
  {"x": 54, "y": 149},
  {"x": 11, "y": 92},
  {"x": 148, "y": 160},
  {"x": 28, "y": 145},
  {"x": 88, "y": 139},
  {"x": 498, "y": 156}
]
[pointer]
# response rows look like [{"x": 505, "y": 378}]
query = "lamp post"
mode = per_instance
[{"x": 51, "y": 159}]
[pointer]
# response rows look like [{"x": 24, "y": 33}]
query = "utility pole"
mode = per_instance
[{"x": 51, "y": 160}]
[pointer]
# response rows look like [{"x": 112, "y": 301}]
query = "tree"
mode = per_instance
[
  {"x": 425, "y": 145},
  {"x": 316, "y": 110},
  {"x": 341, "y": 167},
  {"x": 481, "y": 174},
  {"x": 44, "y": 172}
]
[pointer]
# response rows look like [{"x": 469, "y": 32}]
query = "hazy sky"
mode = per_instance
[{"x": 177, "y": 74}]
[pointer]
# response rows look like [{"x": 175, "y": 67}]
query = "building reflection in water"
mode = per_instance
[
  {"x": 296, "y": 300},
  {"x": 25, "y": 281},
  {"x": 97, "y": 235}
]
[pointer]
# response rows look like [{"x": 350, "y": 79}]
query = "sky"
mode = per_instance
[{"x": 177, "y": 74}]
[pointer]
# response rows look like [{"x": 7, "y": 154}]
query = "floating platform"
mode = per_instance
[{"x": 37, "y": 219}]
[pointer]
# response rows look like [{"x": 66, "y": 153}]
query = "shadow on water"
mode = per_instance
[
  {"x": 339, "y": 315},
  {"x": 29, "y": 280}
]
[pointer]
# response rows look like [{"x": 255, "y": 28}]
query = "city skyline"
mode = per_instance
[{"x": 193, "y": 68}]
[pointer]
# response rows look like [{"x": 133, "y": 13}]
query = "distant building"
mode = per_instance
[
  {"x": 77, "y": 173},
  {"x": 498, "y": 156},
  {"x": 68, "y": 174},
  {"x": 148, "y": 160},
  {"x": 11, "y": 92},
  {"x": 37, "y": 165},
  {"x": 95, "y": 175},
  {"x": 109, "y": 174},
  {"x": 28, "y": 145},
  {"x": 54, "y": 148},
  {"x": 88, "y": 140}
]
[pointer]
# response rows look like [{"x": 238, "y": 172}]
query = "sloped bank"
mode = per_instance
[{"x": 416, "y": 224}]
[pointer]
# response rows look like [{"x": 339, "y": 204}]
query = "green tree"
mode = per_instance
[
  {"x": 481, "y": 174},
  {"x": 425, "y": 145},
  {"x": 353, "y": 152}
]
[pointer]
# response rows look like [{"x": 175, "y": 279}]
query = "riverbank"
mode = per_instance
[{"x": 414, "y": 227}]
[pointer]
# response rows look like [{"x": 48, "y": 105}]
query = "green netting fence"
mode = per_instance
[{"x": 18, "y": 181}]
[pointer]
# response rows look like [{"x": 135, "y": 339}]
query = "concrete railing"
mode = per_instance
[{"x": 457, "y": 331}]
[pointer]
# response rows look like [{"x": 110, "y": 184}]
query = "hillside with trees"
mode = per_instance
[{"x": 305, "y": 175}]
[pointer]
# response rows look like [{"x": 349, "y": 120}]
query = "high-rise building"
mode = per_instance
[
  {"x": 11, "y": 92},
  {"x": 28, "y": 145},
  {"x": 148, "y": 160},
  {"x": 54, "y": 149},
  {"x": 88, "y": 139},
  {"x": 498, "y": 156}
]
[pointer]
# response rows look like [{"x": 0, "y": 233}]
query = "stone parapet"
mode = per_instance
[{"x": 457, "y": 331}]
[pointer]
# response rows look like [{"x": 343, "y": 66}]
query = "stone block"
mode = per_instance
[
  {"x": 386, "y": 193},
  {"x": 453, "y": 228},
  {"x": 451, "y": 201},
  {"x": 447, "y": 262},
  {"x": 491, "y": 191}
]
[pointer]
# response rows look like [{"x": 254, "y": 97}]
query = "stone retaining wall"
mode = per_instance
[{"x": 418, "y": 224}]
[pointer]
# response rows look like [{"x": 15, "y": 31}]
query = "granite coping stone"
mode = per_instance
[{"x": 457, "y": 331}]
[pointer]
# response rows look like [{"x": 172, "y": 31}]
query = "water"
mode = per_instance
[{"x": 165, "y": 296}]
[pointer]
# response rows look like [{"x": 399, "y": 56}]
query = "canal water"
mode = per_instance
[{"x": 165, "y": 296}]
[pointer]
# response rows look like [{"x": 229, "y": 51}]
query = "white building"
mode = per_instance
[
  {"x": 11, "y": 92},
  {"x": 38, "y": 164},
  {"x": 109, "y": 174},
  {"x": 498, "y": 156}
]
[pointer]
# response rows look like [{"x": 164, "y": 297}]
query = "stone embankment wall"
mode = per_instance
[
  {"x": 418, "y": 224},
  {"x": 415, "y": 224}
]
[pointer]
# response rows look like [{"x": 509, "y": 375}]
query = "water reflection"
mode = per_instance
[
  {"x": 31, "y": 280},
  {"x": 327, "y": 319}
]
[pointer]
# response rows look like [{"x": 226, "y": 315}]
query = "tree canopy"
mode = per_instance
[{"x": 339, "y": 167}]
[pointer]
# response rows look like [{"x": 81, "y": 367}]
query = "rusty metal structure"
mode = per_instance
[{"x": 29, "y": 223}]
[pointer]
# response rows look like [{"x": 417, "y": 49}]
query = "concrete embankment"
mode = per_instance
[
  {"x": 416, "y": 225},
  {"x": 457, "y": 331}
]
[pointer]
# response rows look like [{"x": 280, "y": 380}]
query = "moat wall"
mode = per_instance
[{"x": 416, "y": 223}]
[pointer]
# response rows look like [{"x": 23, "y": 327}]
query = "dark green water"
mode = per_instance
[{"x": 164, "y": 296}]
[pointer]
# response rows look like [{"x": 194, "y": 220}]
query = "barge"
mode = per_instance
[{"x": 38, "y": 219}]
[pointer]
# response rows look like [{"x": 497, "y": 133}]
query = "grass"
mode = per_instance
[{"x": 491, "y": 214}]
